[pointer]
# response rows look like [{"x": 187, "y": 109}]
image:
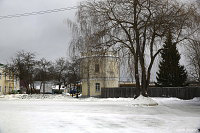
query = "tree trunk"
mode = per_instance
[
  {"x": 26, "y": 86},
  {"x": 59, "y": 86},
  {"x": 144, "y": 83},
  {"x": 88, "y": 77},
  {"x": 137, "y": 78},
  {"x": 40, "y": 87},
  {"x": 43, "y": 87}
]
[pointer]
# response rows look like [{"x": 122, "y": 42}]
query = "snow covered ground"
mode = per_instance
[{"x": 63, "y": 114}]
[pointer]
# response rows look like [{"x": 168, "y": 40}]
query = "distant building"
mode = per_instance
[
  {"x": 47, "y": 86},
  {"x": 8, "y": 83},
  {"x": 55, "y": 89},
  {"x": 50, "y": 87},
  {"x": 98, "y": 70}
]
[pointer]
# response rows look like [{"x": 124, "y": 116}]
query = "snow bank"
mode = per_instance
[
  {"x": 140, "y": 101},
  {"x": 145, "y": 101},
  {"x": 33, "y": 96},
  {"x": 13, "y": 96},
  {"x": 43, "y": 96},
  {"x": 196, "y": 99}
]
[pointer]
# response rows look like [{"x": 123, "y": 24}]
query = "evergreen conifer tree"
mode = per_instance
[{"x": 170, "y": 73}]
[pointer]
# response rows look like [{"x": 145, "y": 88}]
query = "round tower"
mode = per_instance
[{"x": 98, "y": 70}]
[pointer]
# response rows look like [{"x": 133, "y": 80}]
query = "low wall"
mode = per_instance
[{"x": 179, "y": 92}]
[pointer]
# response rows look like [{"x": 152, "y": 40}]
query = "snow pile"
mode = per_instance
[
  {"x": 196, "y": 99},
  {"x": 37, "y": 97},
  {"x": 120, "y": 99},
  {"x": 33, "y": 96},
  {"x": 2, "y": 96},
  {"x": 140, "y": 101},
  {"x": 43, "y": 96},
  {"x": 13, "y": 96},
  {"x": 145, "y": 101}
]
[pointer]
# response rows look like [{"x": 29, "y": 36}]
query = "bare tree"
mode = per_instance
[
  {"x": 43, "y": 67},
  {"x": 74, "y": 71},
  {"x": 22, "y": 66},
  {"x": 193, "y": 54},
  {"x": 60, "y": 70},
  {"x": 193, "y": 49},
  {"x": 136, "y": 25}
]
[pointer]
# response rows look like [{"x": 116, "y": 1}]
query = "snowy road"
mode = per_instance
[{"x": 99, "y": 116}]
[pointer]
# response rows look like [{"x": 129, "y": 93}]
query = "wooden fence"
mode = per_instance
[{"x": 130, "y": 92}]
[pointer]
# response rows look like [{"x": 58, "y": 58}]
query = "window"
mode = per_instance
[
  {"x": 97, "y": 87},
  {"x": 0, "y": 75},
  {"x": 96, "y": 68},
  {"x": 0, "y": 88}
]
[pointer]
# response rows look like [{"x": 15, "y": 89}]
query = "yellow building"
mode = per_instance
[
  {"x": 98, "y": 70},
  {"x": 8, "y": 83}
]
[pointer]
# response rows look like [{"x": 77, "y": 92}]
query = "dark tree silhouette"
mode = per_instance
[{"x": 170, "y": 73}]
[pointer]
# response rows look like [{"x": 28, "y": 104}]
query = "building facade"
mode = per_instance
[
  {"x": 98, "y": 70},
  {"x": 8, "y": 83}
]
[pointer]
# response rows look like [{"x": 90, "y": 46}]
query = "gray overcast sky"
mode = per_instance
[{"x": 47, "y": 35}]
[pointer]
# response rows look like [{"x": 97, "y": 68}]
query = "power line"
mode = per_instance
[{"x": 37, "y": 13}]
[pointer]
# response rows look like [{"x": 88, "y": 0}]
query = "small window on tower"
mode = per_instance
[
  {"x": 97, "y": 87},
  {"x": 96, "y": 68}
]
